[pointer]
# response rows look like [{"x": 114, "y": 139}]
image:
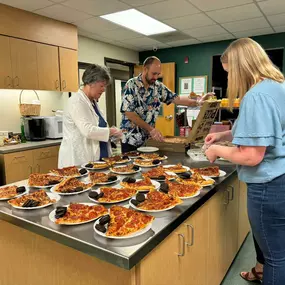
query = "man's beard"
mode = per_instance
[{"x": 149, "y": 81}]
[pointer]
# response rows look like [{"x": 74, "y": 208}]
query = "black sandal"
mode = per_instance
[{"x": 257, "y": 276}]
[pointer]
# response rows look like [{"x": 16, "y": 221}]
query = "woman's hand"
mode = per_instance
[
  {"x": 211, "y": 154},
  {"x": 115, "y": 132},
  {"x": 212, "y": 138}
]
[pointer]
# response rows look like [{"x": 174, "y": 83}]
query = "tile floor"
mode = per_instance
[{"x": 244, "y": 261}]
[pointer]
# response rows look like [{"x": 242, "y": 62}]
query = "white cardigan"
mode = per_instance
[{"x": 81, "y": 133}]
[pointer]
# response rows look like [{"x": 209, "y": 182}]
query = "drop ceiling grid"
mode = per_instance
[{"x": 250, "y": 17}]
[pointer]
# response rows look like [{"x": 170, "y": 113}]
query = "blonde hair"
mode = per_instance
[{"x": 248, "y": 63}]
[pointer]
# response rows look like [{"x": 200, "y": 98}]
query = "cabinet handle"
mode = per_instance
[
  {"x": 38, "y": 168},
  {"x": 181, "y": 236},
  {"x": 45, "y": 154},
  {"x": 63, "y": 84},
  {"x": 232, "y": 192},
  {"x": 192, "y": 235},
  {"x": 8, "y": 81},
  {"x": 228, "y": 197},
  {"x": 16, "y": 83},
  {"x": 31, "y": 169},
  {"x": 57, "y": 84},
  {"x": 17, "y": 157}
]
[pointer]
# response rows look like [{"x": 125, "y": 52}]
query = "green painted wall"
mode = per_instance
[{"x": 200, "y": 56}]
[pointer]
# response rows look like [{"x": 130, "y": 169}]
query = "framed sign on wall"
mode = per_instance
[{"x": 196, "y": 84}]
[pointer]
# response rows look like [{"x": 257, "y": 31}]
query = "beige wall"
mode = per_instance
[{"x": 90, "y": 51}]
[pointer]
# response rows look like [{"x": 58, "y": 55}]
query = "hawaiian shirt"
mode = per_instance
[{"x": 146, "y": 104}]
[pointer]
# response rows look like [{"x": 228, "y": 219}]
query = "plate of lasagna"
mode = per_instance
[
  {"x": 109, "y": 195},
  {"x": 77, "y": 213},
  {"x": 71, "y": 186},
  {"x": 140, "y": 185},
  {"x": 12, "y": 191},
  {"x": 154, "y": 201},
  {"x": 125, "y": 169},
  {"x": 42, "y": 181},
  {"x": 101, "y": 178},
  {"x": 36, "y": 200},
  {"x": 177, "y": 168},
  {"x": 211, "y": 171},
  {"x": 123, "y": 223},
  {"x": 97, "y": 165},
  {"x": 71, "y": 171}
]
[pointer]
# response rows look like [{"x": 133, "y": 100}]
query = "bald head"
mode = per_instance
[{"x": 151, "y": 70}]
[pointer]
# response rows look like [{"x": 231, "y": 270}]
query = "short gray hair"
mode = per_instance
[{"x": 96, "y": 73}]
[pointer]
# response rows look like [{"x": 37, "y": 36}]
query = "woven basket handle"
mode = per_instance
[{"x": 20, "y": 97}]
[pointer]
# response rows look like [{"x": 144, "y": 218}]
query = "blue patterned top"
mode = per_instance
[{"x": 144, "y": 102}]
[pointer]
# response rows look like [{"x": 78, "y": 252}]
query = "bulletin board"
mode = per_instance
[{"x": 196, "y": 84}]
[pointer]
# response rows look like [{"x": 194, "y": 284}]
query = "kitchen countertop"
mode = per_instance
[
  {"x": 123, "y": 253},
  {"x": 29, "y": 145}
]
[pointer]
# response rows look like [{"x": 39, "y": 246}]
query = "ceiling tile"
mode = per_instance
[
  {"x": 143, "y": 42},
  {"x": 184, "y": 43},
  {"x": 63, "y": 13},
  {"x": 121, "y": 34},
  {"x": 277, "y": 20},
  {"x": 280, "y": 29},
  {"x": 29, "y": 5},
  {"x": 272, "y": 7},
  {"x": 256, "y": 23},
  {"x": 95, "y": 25},
  {"x": 217, "y": 38},
  {"x": 206, "y": 31},
  {"x": 252, "y": 33},
  {"x": 136, "y": 3},
  {"x": 100, "y": 38},
  {"x": 169, "y": 9},
  {"x": 124, "y": 45},
  {"x": 190, "y": 21},
  {"x": 58, "y": 1},
  {"x": 235, "y": 13},
  {"x": 206, "y": 5},
  {"x": 97, "y": 7}
]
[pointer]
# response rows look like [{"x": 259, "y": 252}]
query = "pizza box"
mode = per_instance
[
  {"x": 172, "y": 143},
  {"x": 200, "y": 130}
]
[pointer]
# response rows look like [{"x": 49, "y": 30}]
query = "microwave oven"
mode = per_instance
[{"x": 54, "y": 127}]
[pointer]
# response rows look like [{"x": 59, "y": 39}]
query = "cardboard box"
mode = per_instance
[{"x": 200, "y": 130}]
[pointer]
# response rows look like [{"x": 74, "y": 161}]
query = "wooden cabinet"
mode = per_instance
[
  {"x": 243, "y": 222},
  {"x": 45, "y": 159},
  {"x": 48, "y": 67},
  {"x": 181, "y": 258},
  {"x": 19, "y": 165},
  {"x": 5, "y": 66},
  {"x": 24, "y": 64},
  {"x": 68, "y": 69}
]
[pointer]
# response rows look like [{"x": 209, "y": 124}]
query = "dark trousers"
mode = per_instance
[
  {"x": 266, "y": 212},
  {"x": 128, "y": 147},
  {"x": 259, "y": 254}
]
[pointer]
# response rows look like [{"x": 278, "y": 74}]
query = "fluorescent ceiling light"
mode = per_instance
[{"x": 138, "y": 22}]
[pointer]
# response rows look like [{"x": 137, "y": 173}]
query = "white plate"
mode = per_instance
[
  {"x": 123, "y": 162},
  {"x": 99, "y": 162},
  {"x": 147, "y": 166},
  {"x": 19, "y": 195},
  {"x": 98, "y": 202},
  {"x": 222, "y": 174},
  {"x": 153, "y": 182},
  {"x": 107, "y": 183},
  {"x": 68, "y": 194},
  {"x": 43, "y": 187},
  {"x": 51, "y": 196},
  {"x": 208, "y": 178},
  {"x": 169, "y": 173},
  {"x": 124, "y": 173},
  {"x": 136, "y": 234},
  {"x": 148, "y": 149},
  {"x": 171, "y": 165},
  {"x": 159, "y": 158},
  {"x": 53, "y": 219},
  {"x": 197, "y": 194},
  {"x": 150, "y": 211},
  {"x": 81, "y": 175}
]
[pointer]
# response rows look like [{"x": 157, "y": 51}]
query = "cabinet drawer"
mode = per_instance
[{"x": 44, "y": 153}]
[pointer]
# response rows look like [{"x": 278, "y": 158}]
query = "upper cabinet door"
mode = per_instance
[
  {"x": 68, "y": 69},
  {"x": 24, "y": 64},
  {"x": 5, "y": 66},
  {"x": 48, "y": 67}
]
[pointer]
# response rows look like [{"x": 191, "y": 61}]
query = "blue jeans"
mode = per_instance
[{"x": 266, "y": 212}]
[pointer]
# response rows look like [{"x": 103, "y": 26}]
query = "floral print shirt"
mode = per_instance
[{"x": 146, "y": 103}]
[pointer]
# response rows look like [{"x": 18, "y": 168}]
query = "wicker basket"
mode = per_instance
[{"x": 29, "y": 109}]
